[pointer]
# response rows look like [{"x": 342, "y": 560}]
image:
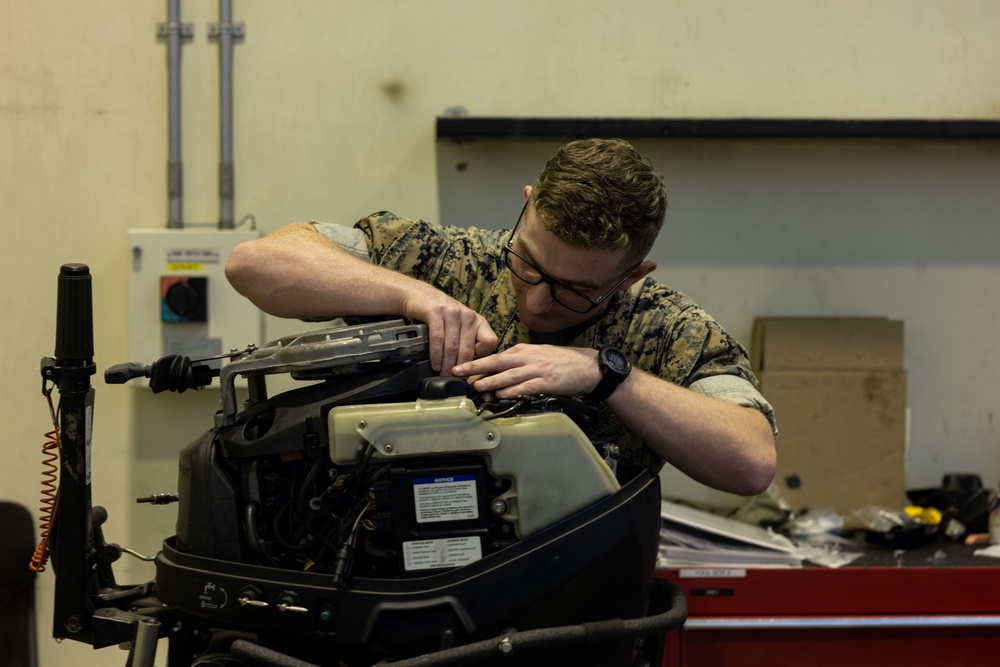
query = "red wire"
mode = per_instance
[{"x": 51, "y": 451}]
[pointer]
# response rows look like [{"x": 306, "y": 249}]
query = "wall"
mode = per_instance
[{"x": 334, "y": 118}]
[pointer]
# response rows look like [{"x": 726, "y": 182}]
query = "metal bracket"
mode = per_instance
[
  {"x": 237, "y": 30},
  {"x": 186, "y": 30}
]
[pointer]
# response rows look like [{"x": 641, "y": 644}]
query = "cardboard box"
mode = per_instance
[
  {"x": 827, "y": 343},
  {"x": 838, "y": 388}
]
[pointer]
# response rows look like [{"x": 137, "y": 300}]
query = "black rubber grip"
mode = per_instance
[{"x": 74, "y": 315}]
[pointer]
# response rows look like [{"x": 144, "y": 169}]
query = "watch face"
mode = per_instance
[{"x": 617, "y": 361}]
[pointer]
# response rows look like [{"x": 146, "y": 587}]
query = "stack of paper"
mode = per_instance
[{"x": 692, "y": 538}]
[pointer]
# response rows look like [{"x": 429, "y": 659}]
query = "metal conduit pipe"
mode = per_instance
[
  {"x": 175, "y": 219},
  {"x": 226, "y": 114}
]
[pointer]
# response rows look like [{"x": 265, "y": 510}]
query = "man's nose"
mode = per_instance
[{"x": 539, "y": 299}]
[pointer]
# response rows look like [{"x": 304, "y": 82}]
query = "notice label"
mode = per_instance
[
  {"x": 446, "y": 552},
  {"x": 446, "y": 498}
]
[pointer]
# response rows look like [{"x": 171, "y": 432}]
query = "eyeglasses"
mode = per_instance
[{"x": 562, "y": 293}]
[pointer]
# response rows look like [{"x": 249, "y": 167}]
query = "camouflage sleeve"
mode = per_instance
[
  {"x": 712, "y": 352},
  {"x": 671, "y": 337},
  {"x": 715, "y": 364},
  {"x": 462, "y": 262}
]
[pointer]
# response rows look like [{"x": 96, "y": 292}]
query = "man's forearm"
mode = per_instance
[
  {"x": 720, "y": 444},
  {"x": 297, "y": 272}
]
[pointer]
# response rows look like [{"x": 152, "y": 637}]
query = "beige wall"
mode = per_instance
[{"x": 335, "y": 103}]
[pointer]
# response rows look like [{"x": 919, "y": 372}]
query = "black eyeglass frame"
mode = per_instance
[{"x": 508, "y": 250}]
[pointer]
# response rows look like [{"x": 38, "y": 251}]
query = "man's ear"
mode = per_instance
[
  {"x": 527, "y": 192},
  {"x": 645, "y": 267}
]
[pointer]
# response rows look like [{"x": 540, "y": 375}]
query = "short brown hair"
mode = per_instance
[{"x": 601, "y": 193}]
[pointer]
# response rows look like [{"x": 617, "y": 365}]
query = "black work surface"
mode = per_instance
[{"x": 940, "y": 553}]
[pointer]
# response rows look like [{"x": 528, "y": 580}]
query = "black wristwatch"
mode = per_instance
[{"x": 615, "y": 367}]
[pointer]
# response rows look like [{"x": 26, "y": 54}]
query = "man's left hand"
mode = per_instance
[{"x": 529, "y": 370}]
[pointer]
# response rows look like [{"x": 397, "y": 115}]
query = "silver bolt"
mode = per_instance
[
  {"x": 388, "y": 448},
  {"x": 498, "y": 506},
  {"x": 247, "y": 602},
  {"x": 506, "y": 646},
  {"x": 361, "y": 423},
  {"x": 490, "y": 436}
]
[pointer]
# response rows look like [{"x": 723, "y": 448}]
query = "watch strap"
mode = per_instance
[{"x": 606, "y": 386}]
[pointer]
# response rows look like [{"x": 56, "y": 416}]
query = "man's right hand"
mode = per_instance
[
  {"x": 297, "y": 272},
  {"x": 457, "y": 334}
]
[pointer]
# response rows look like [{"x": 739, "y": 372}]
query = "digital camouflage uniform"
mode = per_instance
[{"x": 661, "y": 331}]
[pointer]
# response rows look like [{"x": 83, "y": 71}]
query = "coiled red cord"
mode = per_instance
[{"x": 51, "y": 452}]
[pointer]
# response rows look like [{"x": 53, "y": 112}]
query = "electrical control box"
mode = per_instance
[
  {"x": 441, "y": 514},
  {"x": 179, "y": 299}
]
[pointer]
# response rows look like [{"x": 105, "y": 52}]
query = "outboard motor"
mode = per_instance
[{"x": 382, "y": 514}]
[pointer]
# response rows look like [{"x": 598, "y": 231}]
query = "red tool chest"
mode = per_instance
[{"x": 937, "y": 606}]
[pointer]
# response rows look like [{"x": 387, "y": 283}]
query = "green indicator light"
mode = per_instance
[{"x": 325, "y": 615}]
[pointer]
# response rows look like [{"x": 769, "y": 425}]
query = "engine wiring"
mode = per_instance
[
  {"x": 51, "y": 453},
  {"x": 352, "y": 539},
  {"x": 317, "y": 527},
  {"x": 485, "y": 410}
]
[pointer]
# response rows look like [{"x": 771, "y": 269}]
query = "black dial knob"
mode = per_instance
[{"x": 183, "y": 299}]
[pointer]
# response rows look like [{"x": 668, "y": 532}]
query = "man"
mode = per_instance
[{"x": 562, "y": 304}]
